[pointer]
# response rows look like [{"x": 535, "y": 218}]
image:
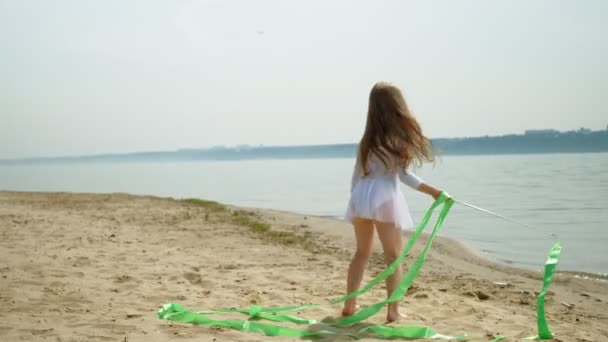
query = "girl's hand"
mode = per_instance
[{"x": 437, "y": 193}]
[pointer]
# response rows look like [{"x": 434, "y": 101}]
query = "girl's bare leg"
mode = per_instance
[
  {"x": 392, "y": 244},
  {"x": 364, "y": 233}
]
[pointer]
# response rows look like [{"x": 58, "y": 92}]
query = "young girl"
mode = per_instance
[{"x": 392, "y": 141}]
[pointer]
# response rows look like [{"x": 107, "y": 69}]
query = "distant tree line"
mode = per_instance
[{"x": 545, "y": 141}]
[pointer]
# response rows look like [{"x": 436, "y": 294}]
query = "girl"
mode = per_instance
[{"x": 392, "y": 141}]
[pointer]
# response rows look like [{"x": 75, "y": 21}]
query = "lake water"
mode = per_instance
[{"x": 558, "y": 194}]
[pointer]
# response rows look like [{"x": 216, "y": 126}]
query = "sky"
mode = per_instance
[{"x": 86, "y": 77}]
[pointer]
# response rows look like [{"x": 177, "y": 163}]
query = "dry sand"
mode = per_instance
[{"x": 84, "y": 267}]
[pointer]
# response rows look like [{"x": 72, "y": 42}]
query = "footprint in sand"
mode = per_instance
[
  {"x": 76, "y": 325},
  {"x": 5, "y": 330},
  {"x": 196, "y": 279},
  {"x": 122, "y": 279},
  {"x": 116, "y": 329},
  {"x": 38, "y": 332},
  {"x": 102, "y": 338},
  {"x": 82, "y": 261}
]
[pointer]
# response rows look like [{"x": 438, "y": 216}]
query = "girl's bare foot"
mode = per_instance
[
  {"x": 392, "y": 317},
  {"x": 393, "y": 313},
  {"x": 349, "y": 308},
  {"x": 347, "y": 312}
]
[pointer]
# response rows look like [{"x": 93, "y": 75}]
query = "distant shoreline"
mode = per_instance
[{"x": 532, "y": 142}]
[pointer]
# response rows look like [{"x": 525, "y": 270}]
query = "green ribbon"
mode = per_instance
[
  {"x": 177, "y": 313},
  {"x": 408, "y": 332},
  {"x": 397, "y": 263},
  {"x": 407, "y": 279},
  {"x": 443, "y": 197},
  {"x": 270, "y": 313},
  {"x": 544, "y": 333}
]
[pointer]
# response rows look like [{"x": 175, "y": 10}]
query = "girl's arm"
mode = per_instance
[
  {"x": 417, "y": 183},
  {"x": 356, "y": 172},
  {"x": 430, "y": 190}
]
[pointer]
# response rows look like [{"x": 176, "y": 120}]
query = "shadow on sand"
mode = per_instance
[{"x": 340, "y": 333}]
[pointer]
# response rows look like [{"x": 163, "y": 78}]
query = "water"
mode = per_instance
[{"x": 558, "y": 194}]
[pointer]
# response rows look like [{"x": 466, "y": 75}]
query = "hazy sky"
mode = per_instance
[{"x": 81, "y": 77}]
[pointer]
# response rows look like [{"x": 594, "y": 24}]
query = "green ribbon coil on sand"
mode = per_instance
[{"x": 178, "y": 313}]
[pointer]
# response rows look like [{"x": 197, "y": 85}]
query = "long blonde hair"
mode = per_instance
[{"x": 392, "y": 130}]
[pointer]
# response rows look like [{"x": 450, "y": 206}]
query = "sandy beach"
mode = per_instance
[{"x": 97, "y": 267}]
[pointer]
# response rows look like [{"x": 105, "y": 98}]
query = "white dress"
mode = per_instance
[{"x": 378, "y": 196}]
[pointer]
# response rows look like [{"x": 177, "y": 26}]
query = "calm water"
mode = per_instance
[{"x": 557, "y": 194}]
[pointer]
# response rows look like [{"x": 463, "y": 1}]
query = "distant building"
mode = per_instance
[
  {"x": 584, "y": 130},
  {"x": 541, "y": 131}
]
